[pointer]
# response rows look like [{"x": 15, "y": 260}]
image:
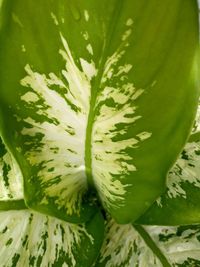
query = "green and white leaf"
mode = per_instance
[
  {"x": 89, "y": 99},
  {"x": 28, "y": 238},
  {"x": 180, "y": 203},
  {"x": 11, "y": 181},
  {"x": 31, "y": 239},
  {"x": 150, "y": 246}
]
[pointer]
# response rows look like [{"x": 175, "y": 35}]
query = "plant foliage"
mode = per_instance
[{"x": 97, "y": 101}]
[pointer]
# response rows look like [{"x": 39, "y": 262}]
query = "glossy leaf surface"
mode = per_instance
[{"x": 92, "y": 96}]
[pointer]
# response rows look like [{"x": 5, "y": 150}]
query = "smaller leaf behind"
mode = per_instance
[
  {"x": 30, "y": 239},
  {"x": 180, "y": 203},
  {"x": 150, "y": 246}
]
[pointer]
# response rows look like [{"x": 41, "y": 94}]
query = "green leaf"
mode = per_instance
[
  {"x": 152, "y": 246},
  {"x": 31, "y": 239},
  {"x": 92, "y": 95},
  {"x": 180, "y": 203}
]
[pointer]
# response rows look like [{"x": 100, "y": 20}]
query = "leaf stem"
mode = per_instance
[{"x": 12, "y": 205}]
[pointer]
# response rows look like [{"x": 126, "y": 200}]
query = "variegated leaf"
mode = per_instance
[
  {"x": 180, "y": 203},
  {"x": 150, "y": 246},
  {"x": 11, "y": 181},
  {"x": 91, "y": 101},
  {"x": 30, "y": 239}
]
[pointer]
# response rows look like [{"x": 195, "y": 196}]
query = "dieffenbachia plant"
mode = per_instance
[{"x": 97, "y": 100}]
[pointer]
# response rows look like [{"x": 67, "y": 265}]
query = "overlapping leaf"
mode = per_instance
[
  {"x": 61, "y": 114},
  {"x": 31, "y": 239},
  {"x": 180, "y": 203},
  {"x": 150, "y": 246},
  {"x": 89, "y": 102}
]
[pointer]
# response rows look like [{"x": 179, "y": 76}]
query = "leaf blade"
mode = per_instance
[
  {"x": 158, "y": 246},
  {"x": 94, "y": 83},
  {"x": 179, "y": 205},
  {"x": 31, "y": 239}
]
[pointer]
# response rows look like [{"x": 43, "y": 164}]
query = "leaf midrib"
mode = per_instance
[
  {"x": 94, "y": 93},
  {"x": 152, "y": 245}
]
